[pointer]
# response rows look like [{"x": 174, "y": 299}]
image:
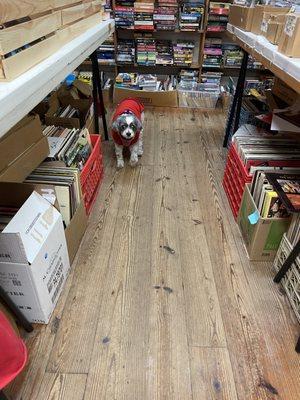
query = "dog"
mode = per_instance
[{"x": 127, "y": 130}]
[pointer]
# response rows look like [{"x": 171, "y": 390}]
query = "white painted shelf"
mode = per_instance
[{"x": 21, "y": 95}]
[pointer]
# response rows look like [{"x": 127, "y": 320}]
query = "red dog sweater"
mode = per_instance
[{"x": 133, "y": 106}]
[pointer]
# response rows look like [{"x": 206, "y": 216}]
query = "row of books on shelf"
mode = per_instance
[
  {"x": 165, "y": 15},
  {"x": 217, "y": 17},
  {"x": 150, "y": 52},
  {"x": 218, "y": 54},
  {"x": 187, "y": 80}
]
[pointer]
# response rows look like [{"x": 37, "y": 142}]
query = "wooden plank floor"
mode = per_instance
[{"x": 162, "y": 302}]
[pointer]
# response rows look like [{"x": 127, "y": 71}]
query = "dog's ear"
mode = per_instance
[
  {"x": 115, "y": 125},
  {"x": 138, "y": 124}
]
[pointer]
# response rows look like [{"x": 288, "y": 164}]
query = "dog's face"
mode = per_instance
[{"x": 127, "y": 125}]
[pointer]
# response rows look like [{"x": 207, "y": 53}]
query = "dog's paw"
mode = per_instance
[
  {"x": 140, "y": 152},
  {"x": 120, "y": 164},
  {"x": 133, "y": 162}
]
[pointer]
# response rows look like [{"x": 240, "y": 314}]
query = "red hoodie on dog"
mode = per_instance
[{"x": 132, "y": 106}]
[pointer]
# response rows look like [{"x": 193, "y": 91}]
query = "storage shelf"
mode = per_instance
[
  {"x": 285, "y": 68},
  {"x": 20, "y": 96}
]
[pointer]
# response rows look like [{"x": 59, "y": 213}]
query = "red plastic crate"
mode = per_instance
[
  {"x": 235, "y": 178},
  {"x": 92, "y": 174}
]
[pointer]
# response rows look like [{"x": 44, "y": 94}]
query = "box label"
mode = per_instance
[{"x": 290, "y": 25}]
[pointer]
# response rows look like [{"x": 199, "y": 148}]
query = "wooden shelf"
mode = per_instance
[
  {"x": 263, "y": 51},
  {"x": 20, "y": 96}
]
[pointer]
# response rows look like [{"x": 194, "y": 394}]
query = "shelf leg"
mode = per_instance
[
  {"x": 97, "y": 94},
  {"x": 234, "y": 115},
  {"x": 16, "y": 312},
  {"x": 288, "y": 262},
  {"x": 2, "y": 396},
  {"x": 298, "y": 346}
]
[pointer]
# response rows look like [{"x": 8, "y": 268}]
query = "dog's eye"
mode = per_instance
[
  {"x": 123, "y": 127},
  {"x": 132, "y": 126}
]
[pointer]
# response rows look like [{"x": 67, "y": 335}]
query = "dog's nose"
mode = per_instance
[{"x": 128, "y": 134}]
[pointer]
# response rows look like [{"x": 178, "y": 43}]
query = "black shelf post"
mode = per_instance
[
  {"x": 98, "y": 96},
  {"x": 235, "y": 110}
]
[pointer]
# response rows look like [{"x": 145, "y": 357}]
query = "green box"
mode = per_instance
[{"x": 262, "y": 236}]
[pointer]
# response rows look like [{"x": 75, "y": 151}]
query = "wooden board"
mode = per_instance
[
  {"x": 75, "y": 13},
  {"x": 141, "y": 321},
  {"x": 15, "y": 9},
  {"x": 22, "y": 34},
  {"x": 17, "y": 64}
]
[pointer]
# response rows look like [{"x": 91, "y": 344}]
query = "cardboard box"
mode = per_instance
[
  {"x": 75, "y": 231},
  {"x": 22, "y": 149},
  {"x": 159, "y": 99},
  {"x": 262, "y": 236},
  {"x": 56, "y": 101},
  {"x": 258, "y": 15},
  {"x": 34, "y": 261},
  {"x": 272, "y": 26},
  {"x": 19, "y": 139},
  {"x": 284, "y": 92},
  {"x": 241, "y": 16},
  {"x": 289, "y": 43}
]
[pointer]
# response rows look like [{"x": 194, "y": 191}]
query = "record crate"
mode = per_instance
[
  {"x": 291, "y": 280},
  {"x": 235, "y": 178},
  {"x": 31, "y": 30},
  {"x": 92, "y": 174}
]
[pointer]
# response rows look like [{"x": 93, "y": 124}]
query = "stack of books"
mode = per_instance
[
  {"x": 145, "y": 52},
  {"x": 233, "y": 55},
  {"x": 71, "y": 146},
  {"x": 218, "y": 16},
  {"x": 213, "y": 53},
  {"x": 164, "y": 52},
  {"x": 67, "y": 112},
  {"x": 124, "y": 14},
  {"x": 191, "y": 15},
  {"x": 183, "y": 52},
  {"x": 165, "y": 15},
  {"x": 148, "y": 82},
  {"x": 67, "y": 186},
  {"x": 127, "y": 80},
  {"x": 143, "y": 15},
  {"x": 106, "y": 52},
  {"x": 126, "y": 52},
  {"x": 210, "y": 82}
]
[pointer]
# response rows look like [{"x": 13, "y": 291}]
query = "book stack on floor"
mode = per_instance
[
  {"x": 183, "y": 52},
  {"x": 126, "y": 51},
  {"x": 127, "y": 80},
  {"x": 165, "y": 15},
  {"x": 143, "y": 15},
  {"x": 218, "y": 17},
  {"x": 145, "y": 51},
  {"x": 164, "y": 52},
  {"x": 148, "y": 82},
  {"x": 191, "y": 15},
  {"x": 106, "y": 52},
  {"x": 187, "y": 77},
  {"x": 124, "y": 14},
  {"x": 213, "y": 53},
  {"x": 145, "y": 82}
]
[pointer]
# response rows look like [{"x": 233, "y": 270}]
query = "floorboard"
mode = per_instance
[{"x": 162, "y": 302}]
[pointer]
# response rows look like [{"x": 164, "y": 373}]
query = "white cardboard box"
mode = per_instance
[{"x": 34, "y": 261}]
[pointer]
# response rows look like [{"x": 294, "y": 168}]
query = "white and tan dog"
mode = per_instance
[{"x": 127, "y": 130}]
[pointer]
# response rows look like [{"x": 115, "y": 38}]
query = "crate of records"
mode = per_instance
[
  {"x": 203, "y": 94},
  {"x": 256, "y": 151},
  {"x": 72, "y": 151}
]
